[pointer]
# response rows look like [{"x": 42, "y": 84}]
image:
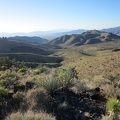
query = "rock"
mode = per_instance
[
  {"x": 115, "y": 50},
  {"x": 29, "y": 85}
]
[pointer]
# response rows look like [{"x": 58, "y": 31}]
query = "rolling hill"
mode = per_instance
[
  {"x": 7, "y": 45},
  {"x": 89, "y": 37},
  {"x": 28, "y": 39},
  {"x": 31, "y": 54}
]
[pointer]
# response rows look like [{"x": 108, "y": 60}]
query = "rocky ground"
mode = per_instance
[{"x": 88, "y": 105}]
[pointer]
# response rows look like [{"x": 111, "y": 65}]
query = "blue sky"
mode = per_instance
[{"x": 43, "y": 15}]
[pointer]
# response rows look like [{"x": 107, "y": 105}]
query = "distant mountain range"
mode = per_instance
[
  {"x": 44, "y": 34},
  {"x": 115, "y": 30},
  {"x": 57, "y": 33},
  {"x": 89, "y": 37}
]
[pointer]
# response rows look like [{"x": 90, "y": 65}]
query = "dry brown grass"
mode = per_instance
[
  {"x": 87, "y": 66},
  {"x": 29, "y": 115}
]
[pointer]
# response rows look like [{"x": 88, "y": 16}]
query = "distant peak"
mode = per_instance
[{"x": 94, "y": 31}]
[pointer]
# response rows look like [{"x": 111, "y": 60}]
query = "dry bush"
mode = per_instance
[
  {"x": 29, "y": 115},
  {"x": 109, "y": 91},
  {"x": 38, "y": 99},
  {"x": 111, "y": 117}
]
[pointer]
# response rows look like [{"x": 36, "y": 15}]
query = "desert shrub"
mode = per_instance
[
  {"x": 4, "y": 82},
  {"x": 37, "y": 71},
  {"x": 109, "y": 91},
  {"x": 8, "y": 77},
  {"x": 38, "y": 99},
  {"x": 113, "y": 105},
  {"x": 22, "y": 70},
  {"x": 66, "y": 77},
  {"x": 60, "y": 78},
  {"x": 42, "y": 68},
  {"x": 18, "y": 97},
  {"x": 3, "y": 92},
  {"x": 110, "y": 77},
  {"x": 40, "y": 65},
  {"x": 50, "y": 85},
  {"x": 81, "y": 86},
  {"x": 3, "y": 67},
  {"x": 29, "y": 115},
  {"x": 111, "y": 117},
  {"x": 5, "y": 63}
]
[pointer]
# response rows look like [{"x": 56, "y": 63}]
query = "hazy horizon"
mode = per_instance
[{"x": 44, "y": 15}]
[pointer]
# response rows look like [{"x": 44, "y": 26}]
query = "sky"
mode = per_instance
[{"x": 45, "y": 15}]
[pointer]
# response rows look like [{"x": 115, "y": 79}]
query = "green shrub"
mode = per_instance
[
  {"x": 60, "y": 78},
  {"x": 3, "y": 92},
  {"x": 37, "y": 71},
  {"x": 50, "y": 85},
  {"x": 3, "y": 67},
  {"x": 22, "y": 70},
  {"x": 113, "y": 105},
  {"x": 66, "y": 77},
  {"x": 4, "y": 82},
  {"x": 6, "y": 63},
  {"x": 40, "y": 65}
]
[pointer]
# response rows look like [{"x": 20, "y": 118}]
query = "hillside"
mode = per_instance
[
  {"x": 7, "y": 45},
  {"x": 89, "y": 37},
  {"x": 28, "y": 39},
  {"x": 82, "y": 86},
  {"x": 29, "y": 53}
]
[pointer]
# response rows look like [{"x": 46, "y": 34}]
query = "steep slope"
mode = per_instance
[{"x": 89, "y": 37}]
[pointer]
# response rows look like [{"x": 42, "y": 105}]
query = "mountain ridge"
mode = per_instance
[
  {"x": 89, "y": 37},
  {"x": 33, "y": 39},
  {"x": 57, "y": 33}
]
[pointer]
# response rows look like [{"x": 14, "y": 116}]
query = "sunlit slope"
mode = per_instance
[{"x": 89, "y": 64}]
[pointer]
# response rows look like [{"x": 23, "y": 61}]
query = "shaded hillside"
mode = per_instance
[
  {"x": 29, "y": 49},
  {"x": 19, "y": 46},
  {"x": 6, "y": 45},
  {"x": 31, "y": 54},
  {"x": 28, "y": 39},
  {"x": 29, "y": 57},
  {"x": 89, "y": 37}
]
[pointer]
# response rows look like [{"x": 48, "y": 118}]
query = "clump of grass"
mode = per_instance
[
  {"x": 50, "y": 85},
  {"x": 38, "y": 99},
  {"x": 113, "y": 105},
  {"x": 113, "y": 108},
  {"x": 66, "y": 77},
  {"x": 29, "y": 115}
]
